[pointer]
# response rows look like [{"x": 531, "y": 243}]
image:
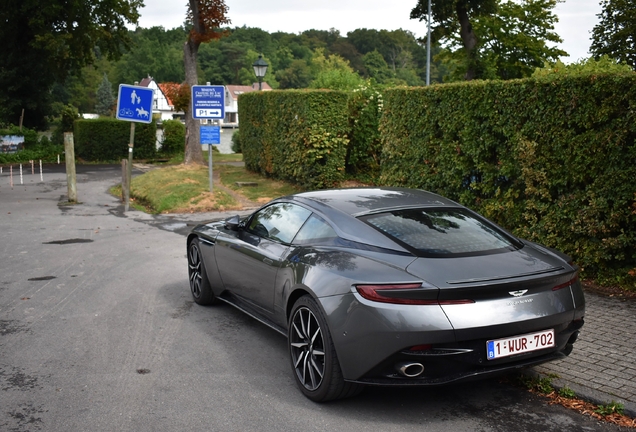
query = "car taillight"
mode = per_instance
[
  {"x": 567, "y": 284},
  {"x": 404, "y": 294}
]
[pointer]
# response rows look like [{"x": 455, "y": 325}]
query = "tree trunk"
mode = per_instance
[
  {"x": 470, "y": 41},
  {"x": 193, "y": 153}
]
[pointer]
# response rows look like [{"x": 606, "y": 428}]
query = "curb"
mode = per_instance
[{"x": 588, "y": 394}]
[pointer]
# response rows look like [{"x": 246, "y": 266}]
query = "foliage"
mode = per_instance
[
  {"x": 236, "y": 142},
  {"x": 539, "y": 384},
  {"x": 42, "y": 42},
  {"x": 43, "y": 153},
  {"x": 453, "y": 18},
  {"x": 333, "y": 72},
  {"x": 551, "y": 159},
  {"x": 30, "y": 136},
  {"x": 611, "y": 408},
  {"x": 300, "y": 136},
  {"x": 583, "y": 67},
  {"x": 364, "y": 149},
  {"x": 68, "y": 116},
  {"x": 492, "y": 39},
  {"x": 107, "y": 139},
  {"x": 614, "y": 34},
  {"x": 173, "y": 137},
  {"x": 566, "y": 392},
  {"x": 105, "y": 99},
  {"x": 179, "y": 95}
]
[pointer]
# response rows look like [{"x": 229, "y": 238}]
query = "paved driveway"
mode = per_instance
[{"x": 98, "y": 332}]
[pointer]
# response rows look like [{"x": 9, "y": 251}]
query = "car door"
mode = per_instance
[{"x": 248, "y": 260}]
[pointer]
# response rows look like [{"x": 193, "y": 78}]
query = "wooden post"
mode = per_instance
[
  {"x": 71, "y": 178},
  {"x": 124, "y": 181}
]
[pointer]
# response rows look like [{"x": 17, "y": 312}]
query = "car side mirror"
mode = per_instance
[{"x": 233, "y": 223}]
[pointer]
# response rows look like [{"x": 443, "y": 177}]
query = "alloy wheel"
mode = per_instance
[
  {"x": 307, "y": 348},
  {"x": 194, "y": 269}
]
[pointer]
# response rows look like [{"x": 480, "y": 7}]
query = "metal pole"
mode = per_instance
[
  {"x": 130, "y": 160},
  {"x": 259, "y": 83},
  {"x": 428, "y": 47},
  {"x": 210, "y": 164}
]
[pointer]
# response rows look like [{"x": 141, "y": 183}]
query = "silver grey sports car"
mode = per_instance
[{"x": 389, "y": 286}]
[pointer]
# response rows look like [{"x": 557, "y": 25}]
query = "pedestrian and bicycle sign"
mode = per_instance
[
  {"x": 134, "y": 103},
  {"x": 208, "y": 102}
]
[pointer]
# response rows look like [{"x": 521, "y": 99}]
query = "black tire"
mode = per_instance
[
  {"x": 199, "y": 283},
  {"x": 313, "y": 357}
]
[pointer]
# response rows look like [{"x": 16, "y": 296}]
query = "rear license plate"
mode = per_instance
[{"x": 499, "y": 348}]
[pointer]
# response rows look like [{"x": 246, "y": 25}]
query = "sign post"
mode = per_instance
[
  {"x": 208, "y": 103},
  {"x": 134, "y": 104}
]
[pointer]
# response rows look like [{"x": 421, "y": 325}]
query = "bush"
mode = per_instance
[
  {"x": 364, "y": 149},
  {"x": 296, "y": 135},
  {"x": 107, "y": 139},
  {"x": 553, "y": 160},
  {"x": 173, "y": 137},
  {"x": 68, "y": 116},
  {"x": 45, "y": 154},
  {"x": 236, "y": 142}
]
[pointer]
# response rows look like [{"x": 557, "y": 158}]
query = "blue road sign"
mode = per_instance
[
  {"x": 210, "y": 134},
  {"x": 208, "y": 102},
  {"x": 134, "y": 103}
]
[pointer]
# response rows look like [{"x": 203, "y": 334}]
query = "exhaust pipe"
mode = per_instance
[{"x": 410, "y": 370}]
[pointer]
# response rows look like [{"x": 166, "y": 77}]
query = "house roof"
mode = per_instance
[
  {"x": 167, "y": 89},
  {"x": 146, "y": 81},
  {"x": 235, "y": 90}
]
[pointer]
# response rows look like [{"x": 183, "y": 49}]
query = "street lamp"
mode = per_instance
[{"x": 260, "y": 69}]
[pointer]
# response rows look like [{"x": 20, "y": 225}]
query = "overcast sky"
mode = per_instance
[{"x": 576, "y": 17}]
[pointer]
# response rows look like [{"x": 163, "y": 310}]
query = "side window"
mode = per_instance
[
  {"x": 315, "y": 231},
  {"x": 278, "y": 222}
]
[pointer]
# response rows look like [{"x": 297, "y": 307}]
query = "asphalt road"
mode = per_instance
[{"x": 98, "y": 332}]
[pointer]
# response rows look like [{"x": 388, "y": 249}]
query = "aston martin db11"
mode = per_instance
[{"x": 389, "y": 286}]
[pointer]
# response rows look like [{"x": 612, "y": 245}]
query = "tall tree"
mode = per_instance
[
  {"x": 513, "y": 39},
  {"x": 206, "y": 17},
  {"x": 105, "y": 99},
  {"x": 615, "y": 34},
  {"x": 43, "y": 42},
  {"x": 455, "y": 17}
]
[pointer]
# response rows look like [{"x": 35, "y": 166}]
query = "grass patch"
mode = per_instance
[
  {"x": 179, "y": 189},
  {"x": 266, "y": 190}
]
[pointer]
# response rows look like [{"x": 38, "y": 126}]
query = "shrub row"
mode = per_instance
[
  {"x": 107, "y": 139},
  {"x": 300, "y": 136},
  {"x": 552, "y": 160}
]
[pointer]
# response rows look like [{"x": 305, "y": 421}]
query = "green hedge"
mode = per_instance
[
  {"x": 173, "y": 137},
  {"x": 553, "y": 160},
  {"x": 107, "y": 139},
  {"x": 294, "y": 135}
]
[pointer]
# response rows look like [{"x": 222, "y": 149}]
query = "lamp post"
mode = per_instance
[
  {"x": 428, "y": 47},
  {"x": 260, "y": 69}
]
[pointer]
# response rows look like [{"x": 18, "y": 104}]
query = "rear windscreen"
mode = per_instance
[{"x": 441, "y": 232}]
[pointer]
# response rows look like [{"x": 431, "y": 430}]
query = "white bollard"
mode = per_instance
[
  {"x": 41, "y": 178},
  {"x": 11, "y": 175},
  {"x": 32, "y": 170},
  {"x": 58, "y": 159},
  {"x": 21, "y": 182}
]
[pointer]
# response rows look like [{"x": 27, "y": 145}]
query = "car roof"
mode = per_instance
[
  {"x": 343, "y": 206},
  {"x": 359, "y": 201}
]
